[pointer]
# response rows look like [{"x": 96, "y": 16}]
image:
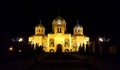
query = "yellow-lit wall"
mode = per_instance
[
  {"x": 59, "y": 38},
  {"x": 36, "y": 40}
]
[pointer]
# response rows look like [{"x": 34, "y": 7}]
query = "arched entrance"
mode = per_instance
[
  {"x": 66, "y": 50},
  {"x": 59, "y": 48},
  {"x": 51, "y": 50}
]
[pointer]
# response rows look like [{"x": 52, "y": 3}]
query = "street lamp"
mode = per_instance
[
  {"x": 103, "y": 39},
  {"x": 20, "y": 39},
  {"x": 10, "y": 48},
  {"x": 100, "y": 39},
  {"x": 19, "y": 50}
]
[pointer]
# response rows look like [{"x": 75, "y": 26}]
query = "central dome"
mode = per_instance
[{"x": 59, "y": 18}]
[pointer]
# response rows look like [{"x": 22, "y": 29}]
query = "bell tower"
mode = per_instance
[
  {"x": 39, "y": 29},
  {"x": 59, "y": 25}
]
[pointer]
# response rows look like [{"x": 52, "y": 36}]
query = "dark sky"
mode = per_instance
[{"x": 98, "y": 17}]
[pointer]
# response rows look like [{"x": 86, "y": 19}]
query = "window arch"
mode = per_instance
[
  {"x": 75, "y": 30},
  {"x": 57, "y": 30},
  {"x": 51, "y": 50},
  {"x": 60, "y": 30},
  {"x": 66, "y": 50},
  {"x": 66, "y": 42},
  {"x": 39, "y": 30},
  {"x": 78, "y": 30},
  {"x": 51, "y": 42}
]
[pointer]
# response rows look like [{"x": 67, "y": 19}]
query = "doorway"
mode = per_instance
[{"x": 59, "y": 48}]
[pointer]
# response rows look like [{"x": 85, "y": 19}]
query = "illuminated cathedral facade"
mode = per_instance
[{"x": 59, "y": 40}]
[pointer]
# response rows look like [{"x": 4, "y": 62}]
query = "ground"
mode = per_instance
[{"x": 60, "y": 61}]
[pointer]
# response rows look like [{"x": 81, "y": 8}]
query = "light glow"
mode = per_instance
[
  {"x": 20, "y": 39},
  {"x": 108, "y": 40},
  {"x": 59, "y": 23},
  {"x": 101, "y": 39},
  {"x": 11, "y": 48},
  {"x": 19, "y": 50}
]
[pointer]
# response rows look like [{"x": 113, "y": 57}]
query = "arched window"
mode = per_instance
[
  {"x": 51, "y": 50},
  {"x": 75, "y": 30},
  {"x": 42, "y": 30},
  {"x": 78, "y": 30},
  {"x": 66, "y": 42},
  {"x": 66, "y": 50},
  {"x": 51, "y": 42},
  {"x": 57, "y": 30},
  {"x": 39, "y": 30},
  {"x": 60, "y": 30}
]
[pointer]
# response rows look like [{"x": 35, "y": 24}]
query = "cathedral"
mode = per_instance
[{"x": 59, "y": 40}]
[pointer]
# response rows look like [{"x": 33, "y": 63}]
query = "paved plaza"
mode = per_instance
[{"x": 60, "y": 61}]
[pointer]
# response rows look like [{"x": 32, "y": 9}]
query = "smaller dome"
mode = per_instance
[
  {"x": 78, "y": 26},
  {"x": 39, "y": 25}
]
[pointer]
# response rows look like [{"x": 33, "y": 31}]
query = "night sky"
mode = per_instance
[{"x": 98, "y": 17}]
